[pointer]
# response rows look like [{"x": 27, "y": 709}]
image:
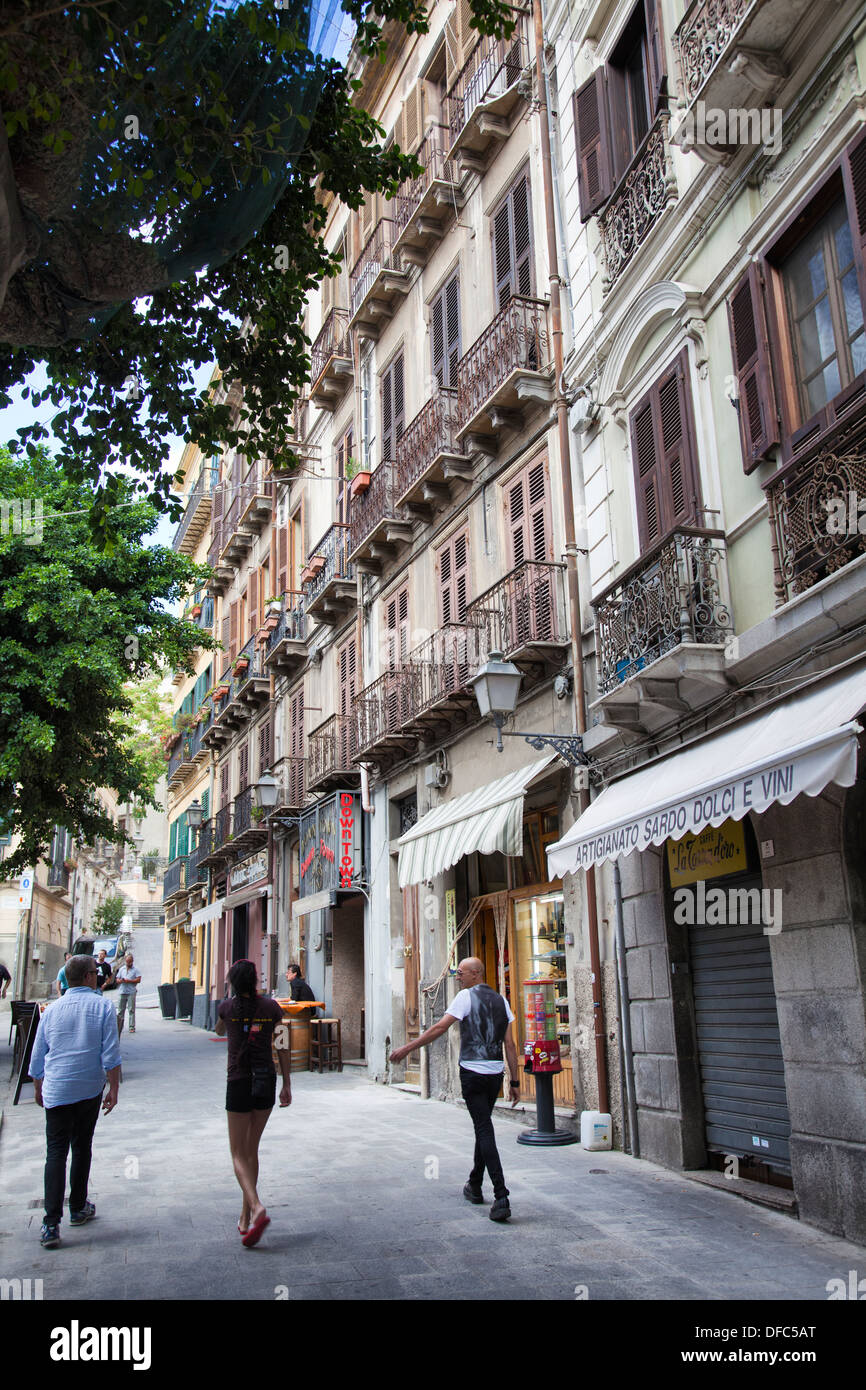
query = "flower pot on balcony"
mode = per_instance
[
  {"x": 70, "y": 864},
  {"x": 359, "y": 484},
  {"x": 271, "y": 623},
  {"x": 221, "y": 692},
  {"x": 196, "y": 610},
  {"x": 241, "y": 668}
]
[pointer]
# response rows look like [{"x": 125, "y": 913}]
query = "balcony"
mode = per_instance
[
  {"x": 184, "y": 759},
  {"x": 430, "y": 461},
  {"x": 331, "y": 358},
  {"x": 252, "y": 687},
  {"x": 256, "y": 504},
  {"x": 488, "y": 99},
  {"x": 196, "y": 518},
  {"x": 637, "y": 202},
  {"x": 284, "y": 471},
  {"x": 291, "y": 790},
  {"x": 504, "y": 376},
  {"x": 524, "y": 616},
  {"x": 382, "y": 711},
  {"x": 378, "y": 527},
  {"x": 174, "y": 880},
  {"x": 219, "y": 731},
  {"x": 661, "y": 630},
  {"x": 425, "y": 205},
  {"x": 195, "y": 877},
  {"x": 58, "y": 877},
  {"x": 215, "y": 840},
  {"x": 377, "y": 283},
  {"x": 329, "y": 585},
  {"x": 221, "y": 571},
  {"x": 250, "y": 829},
  {"x": 730, "y": 58},
  {"x": 285, "y": 647},
  {"x": 332, "y": 749}
]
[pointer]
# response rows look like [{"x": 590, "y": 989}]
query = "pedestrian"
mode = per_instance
[
  {"x": 76, "y": 1045},
  {"x": 249, "y": 1021},
  {"x": 485, "y": 1020},
  {"x": 300, "y": 990},
  {"x": 5, "y": 980},
  {"x": 62, "y": 986},
  {"x": 128, "y": 980},
  {"x": 103, "y": 967}
]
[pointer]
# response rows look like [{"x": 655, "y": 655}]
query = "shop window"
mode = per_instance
[{"x": 664, "y": 456}]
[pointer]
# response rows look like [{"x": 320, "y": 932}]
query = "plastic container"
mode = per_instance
[{"x": 595, "y": 1130}]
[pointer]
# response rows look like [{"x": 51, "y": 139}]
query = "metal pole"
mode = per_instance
[
  {"x": 572, "y": 578},
  {"x": 625, "y": 1026}
]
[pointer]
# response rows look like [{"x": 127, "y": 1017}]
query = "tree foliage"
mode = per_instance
[
  {"x": 108, "y": 916},
  {"x": 77, "y": 624},
  {"x": 138, "y": 259},
  {"x": 148, "y": 720}
]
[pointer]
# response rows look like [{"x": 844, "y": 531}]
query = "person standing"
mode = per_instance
[
  {"x": 5, "y": 979},
  {"x": 485, "y": 1020},
  {"x": 103, "y": 967},
  {"x": 61, "y": 982},
  {"x": 248, "y": 1021},
  {"x": 76, "y": 1044},
  {"x": 300, "y": 990},
  {"x": 128, "y": 980}
]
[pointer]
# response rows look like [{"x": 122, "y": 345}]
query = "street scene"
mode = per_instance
[{"x": 433, "y": 661}]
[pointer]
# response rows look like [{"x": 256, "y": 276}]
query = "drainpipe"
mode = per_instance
[
  {"x": 570, "y": 538},
  {"x": 625, "y": 1025}
]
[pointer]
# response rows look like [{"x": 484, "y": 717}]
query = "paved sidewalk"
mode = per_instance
[{"x": 363, "y": 1184}]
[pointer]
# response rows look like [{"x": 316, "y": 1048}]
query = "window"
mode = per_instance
[
  {"x": 664, "y": 456},
  {"x": 452, "y": 565},
  {"x": 344, "y": 456},
  {"x": 393, "y": 407},
  {"x": 796, "y": 320},
  {"x": 527, "y": 513},
  {"x": 513, "y": 270},
  {"x": 445, "y": 333},
  {"x": 397, "y": 628},
  {"x": 243, "y": 766},
  {"x": 266, "y": 738},
  {"x": 614, "y": 110}
]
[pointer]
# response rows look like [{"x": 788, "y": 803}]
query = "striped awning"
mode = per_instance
[
  {"x": 487, "y": 820},
  {"x": 209, "y": 913}
]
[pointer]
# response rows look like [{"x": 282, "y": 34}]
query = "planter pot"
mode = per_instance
[
  {"x": 185, "y": 995},
  {"x": 196, "y": 612},
  {"x": 221, "y": 692},
  {"x": 360, "y": 483},
  {"x": 167, "y": 1000},
  {"x": 272, "y": 623},
  {"x": 274, "y": 610},
  {"x": 241, "y": 671},
  {"x": 70, "y": 864}
]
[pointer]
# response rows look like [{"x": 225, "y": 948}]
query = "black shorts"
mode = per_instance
[{"x": 239, "y": 1097}]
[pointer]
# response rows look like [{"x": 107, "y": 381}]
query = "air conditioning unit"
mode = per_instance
[{"x": 437, "y": 774}]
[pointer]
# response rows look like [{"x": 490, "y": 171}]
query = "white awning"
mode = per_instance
[
  {"x": 209, "y": 913},
  {"x": 246, "y": 895},
  {"x": 800, "y": 745},
  {"x": 486, "y": 820}
]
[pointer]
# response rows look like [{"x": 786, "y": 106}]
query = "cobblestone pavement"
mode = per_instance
[{"x": 363, "y": 1184}]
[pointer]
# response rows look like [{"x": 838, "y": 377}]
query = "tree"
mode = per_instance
[
  {"x": 108, "y": 916},
  {"x": 77, "y": 624},
  {"x": 148, "y": 721},
  {"x": 167, "y": 173}
]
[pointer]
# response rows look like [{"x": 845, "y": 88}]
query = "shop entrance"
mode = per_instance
[
  {"x": 240, "y": 933},
  {"x": 411, "y": 980},
  {"x": 347, "y": 972}
]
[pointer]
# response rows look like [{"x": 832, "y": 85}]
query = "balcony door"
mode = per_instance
[
  {"x": 665, "y": 457},
  {"x": 513, "y": 269},
  {"x": 527, "y": 608},
  {"x": 347, "y": 669},
  {"x": 397, "y": 698}
]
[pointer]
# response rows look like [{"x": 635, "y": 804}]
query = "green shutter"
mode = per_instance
[
  {"x": 182, "y": 835},
  {"x": 172, "y": 842},
  {"x": 205, "y": 804}
]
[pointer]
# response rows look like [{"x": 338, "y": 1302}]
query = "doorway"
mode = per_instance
[{"x": 240, "y": 933}]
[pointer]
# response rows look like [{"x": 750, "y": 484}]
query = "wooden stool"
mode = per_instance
[{"x": 326, "y": 1044}]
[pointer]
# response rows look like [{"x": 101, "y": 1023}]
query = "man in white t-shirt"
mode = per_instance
[{"x": 485, "y": 1026}]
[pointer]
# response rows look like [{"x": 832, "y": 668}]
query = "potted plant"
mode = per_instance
[
  {"x": 257, "y": 814},
  {"x": 221, "y": 691},
  {"x": 70, "y": 864},
  {"x": 196, "y": 610},
  {"x": 168, "y": 995},
  {"x": 273, "y": 606},
  {"x": 241, "y": 666},
  {"x": 358, "y": 477},
  {"x": 185, "y": 996}
]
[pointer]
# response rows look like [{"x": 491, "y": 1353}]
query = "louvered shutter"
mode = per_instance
[
  {"x": 205, "y": 804},
  {"x": 296, "y": 749},
  {"x": 664, "y": 456},
  {"x": 854, "y": 178},
  {"x": 445, "y": 575},
  {"x": 412, "y": 120},
  {"x": 515, "y": 505},
  {"x": 656, "y": 66},
  {"x": 253, "y": 600},
  {"x": 453, "y": 56},
  {"x": 399, "y": 400},
  {"x": 226, "y": 633},
  {"x": 467, "y": 36},
  {"x": 676, "y": 447},
  {"x": 437, "y": 334},
  {"x": 502, "y": 262},
  {"x": 224, "y": 783},
  {"x": 647, "y": 466},
  {"x": 265, "y": 740},
  {"x": 452, "y": 330},
  {"x": 592, "y": 142},
  {"x": 233, "y": 631},
  {"x": 747, "y": 319},
  {"x": 347, "y": 663},
  {"x": 182, "y": 836},
  {"x": 393, "y": 407},
  {"x": 282, "y": 560},
  {"x": 243, "y": 766},
  {"x": 172, "y": 841},
  {"x": 523, "y": 270},
  {"x": 216, "y": 523},
  {"x": 453, "y": 564},
  {"x": 538, "y": 512}
]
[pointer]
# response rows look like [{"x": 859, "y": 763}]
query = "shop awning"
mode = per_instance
[
  {"x": 799, "y": 745},
  {"x": 486, "y": 820},
  {"x": 246, "y": 895},
  {"x": 209, "y": 913}
]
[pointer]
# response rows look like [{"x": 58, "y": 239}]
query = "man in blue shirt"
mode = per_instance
[{"x": 76, "y": 1044}]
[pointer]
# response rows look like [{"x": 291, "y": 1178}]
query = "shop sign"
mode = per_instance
[
  {"x": 330, "y": 844},
  {"x": 249, "y": 871},
  {"x": 716, "y": 850}
]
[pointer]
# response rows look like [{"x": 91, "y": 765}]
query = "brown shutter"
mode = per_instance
[
  {"x": 253, "y": 600},
  {"x": 393, "y": 407},
  {"x": 233, "y": 631},
  {"x": 296, "y": 748},
  {"x": 522, "y": 217},
  {"x": 538, "y": 512},
  {"x": 467, "y": 35},
  {"x": 347, "y": 670},
  {"x": 854, "y": 179},
  {"x": 647, "y": 474},
  {"x": 224, "y": 783},
  {"x": 453, "y": 567},
  {"x": 226, "y": 634},
  {"x": 747, "y": 318},
  {"x": 677, "y": 448},
  {"x": 656, "y": 67},
  {"x": 411, "y": 126},
  {"x": 664, "y": 456},
  {"x": 592, "y": 141},
  {"x": 282, "y": 560},
  {"x": 265, "y": 740},
  {"x": 243, "y": 766},
  {"x": 437, "y": 339},
  {"x": 502, "y": 263},
  {"x": 515, "y": 511},
  {"x": 399, "y": 399},
  {"x": 452, "y": 329}
]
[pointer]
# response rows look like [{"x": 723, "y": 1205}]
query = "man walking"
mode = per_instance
[
  {"x": 76, "y": 1044},
  {"x": 485, "y": 1024},
  {"x": 104, "y": 969},
  {"x": 128, "y": 980}
]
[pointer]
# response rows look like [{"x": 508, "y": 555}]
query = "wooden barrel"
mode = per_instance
[{"x": 300, "y": 1044}]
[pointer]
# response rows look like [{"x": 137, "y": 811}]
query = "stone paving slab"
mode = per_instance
[{"x": 364, "y": 1187}]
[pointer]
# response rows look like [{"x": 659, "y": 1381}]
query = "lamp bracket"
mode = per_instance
[{"x": 569, "y": 747}]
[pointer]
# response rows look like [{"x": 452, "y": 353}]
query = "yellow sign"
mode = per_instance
[{"x": 717, "y": 850}]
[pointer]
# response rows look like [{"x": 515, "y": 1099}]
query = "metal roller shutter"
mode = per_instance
[{"x": 739, "y": 1048}]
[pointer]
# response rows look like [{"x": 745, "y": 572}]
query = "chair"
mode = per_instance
[{"x": 326, "y": 1044}]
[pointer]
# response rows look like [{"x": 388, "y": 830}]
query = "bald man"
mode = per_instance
[{"x": 485, "y": 1025}]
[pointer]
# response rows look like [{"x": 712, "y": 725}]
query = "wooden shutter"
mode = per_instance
[
  {"x": 182, "y": 836},
  {"x": 592, "y": 142},
  {"x": 502, "y": 260},
  {"x": 205, "y": 804},
  {"x": 664, "y": 456},
  {"x": 243, "y": 765},
  {"x": 253, "y": 601},
  {"x": 445, "y": 333},
  {"x": 265, "y": 744},
  {"x": 528, "y": 518},
  {"x": 347, "y": 671},
  {"x": 453, "y": 568},
  {"x": 282, "y": 560},
  {"x": 411, "y": 127},
  {"x": 453, "y": 55},
  {"x": 233, "y": 630},
  {"x": 172, "y": 841},
  {"x": 296, "y": 748},
  {"x": 393, "y": 407},
  {"x": 512, "y": 244},
  {"x": 224, "y": 783},
  {"x": 226, "y": 632},
  {"x": 758, "y": 412},
  {"x": 854, "y": 180},
  {"x": 657, "y": 81},
  {"x": 397, "y": 624},
  {"x": 466, "y": 35},
  {"x": 216, "y": 521}
]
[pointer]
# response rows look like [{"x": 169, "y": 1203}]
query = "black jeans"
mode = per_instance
[
  {"x": 68, "y": 1126},
  {"x": 480, "y": 1093}
]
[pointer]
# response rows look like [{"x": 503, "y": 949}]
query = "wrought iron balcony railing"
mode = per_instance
[
  {"x": 197, "y": 514},
  {"x": 204, "y": 843},
  {"x": 330, "y": 560},
  {"x": 291, "y": 626},
  {"x": 332, "y": 341},
  {"x": 813, "y": 532},
  {"x": 374, "y": 506},
  {"x": 438, "y": 168},
  {"x": 243, "y": 811},
  {"x": 442, "y": 667},
  {"x": 638, "y": 201},
  {"x": 377, "y": 255},
  {"x": 433, "y": 432},
  {"x": 494, "y": 66},
  {"x": 701, "y": 37},
  {"x": 175, "y": 878},
  {"x": 222, "y": 824},
  {"x": 58, "y": 876},
  {"x": 675, "y": 593},
  {"x": 516, "y": 340},
  {"x": 385, "y": 707},
  {"x": 332, "y": 749},
  {"x": 195, "y": 873},
  {"x": 524, "y": 609}
]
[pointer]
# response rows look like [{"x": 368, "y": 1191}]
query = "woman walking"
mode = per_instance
[{"x": 249, "y": 1020}]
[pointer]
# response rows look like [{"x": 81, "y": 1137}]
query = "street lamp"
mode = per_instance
[
  {"x": 497, "y": 685},
  {"x": 194, "y": 814},
  {"x": 265, "y": 791}
]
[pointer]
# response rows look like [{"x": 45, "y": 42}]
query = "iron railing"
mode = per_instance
[
  {"x": 222, "y": 824},
  {"x": 377, "y": 255},
  {"x": 292, "y": 625},
  {"x": 638, "y": 201},
  {"x": 333, "y": 549},
  {"x": 522, "y": 609},
  {"x": 701, "y": 37},
  {"x": 675, "y": 593},
  {"x": 58, "y": 876},
  {"x": 433, "y": 154},
  {"x": 252, "y": 653},
  {"x": 517, "y": 339},
  {"x": 196, "y": 874},
  {"x": 431, "y": 433},
  {"x": 174, "y": 878},
  {"x": 332, "y": 748},
  {"x": 813, "y": 531},
  {"x": 443, "y": 665},
  {"x": 385, "y": 707},
  {"x": 243, "y": 811},
  {"x": 331, "y": 342},
  {"x": 203, "y": 487},
  {"x": 204, "y": 844},
  {"x": 493, "y": 67},
  {"x": 370, "y": 507}
]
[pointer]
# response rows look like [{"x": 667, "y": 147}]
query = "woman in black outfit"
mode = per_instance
[{"x": 249, "y": 1020}]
